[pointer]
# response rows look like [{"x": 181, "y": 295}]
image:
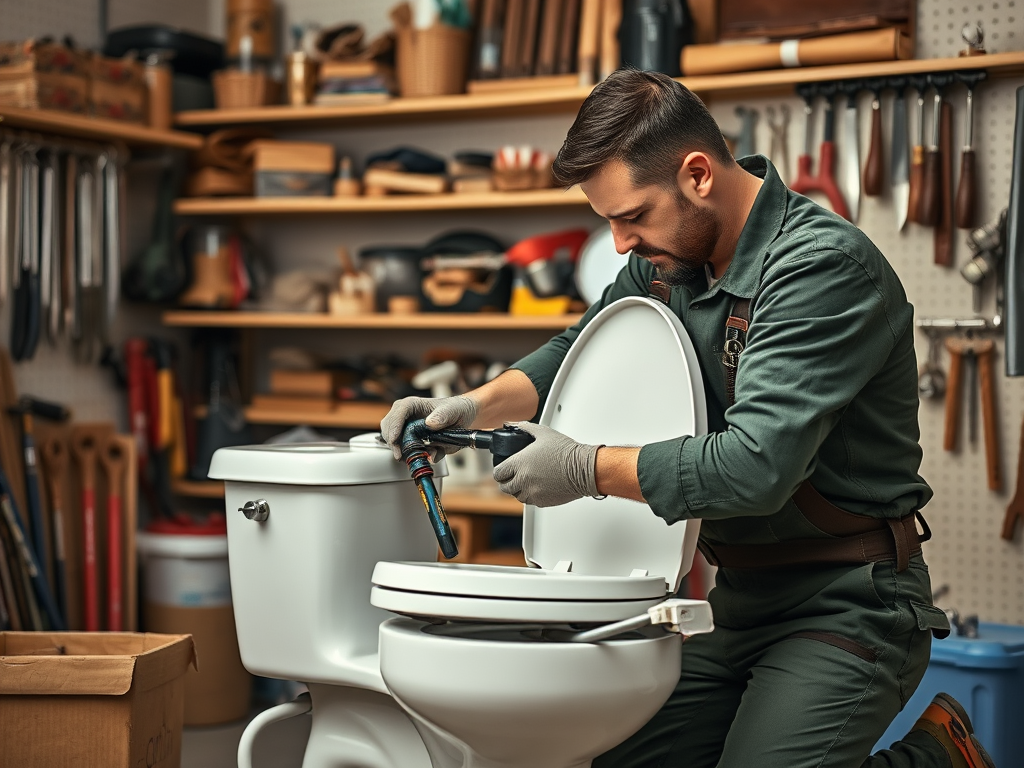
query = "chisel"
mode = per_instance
[
  {"x": 919, "y": 84},
  {"x": 850, "y": 180},
  {"x": 966, "y": 191},
  {"x": 874, "y": 166}
]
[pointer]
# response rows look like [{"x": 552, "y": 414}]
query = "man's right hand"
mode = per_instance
[{"x": 440, "y": 413}]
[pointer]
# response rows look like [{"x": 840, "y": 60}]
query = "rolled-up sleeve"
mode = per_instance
[
  {"x": 540, "y": 366},
  {"x": 820, "y": 330}
]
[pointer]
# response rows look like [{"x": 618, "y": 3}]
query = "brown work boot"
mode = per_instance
[{"x": 947, "y": 722}]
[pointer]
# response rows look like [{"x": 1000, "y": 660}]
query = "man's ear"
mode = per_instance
[{"x": 695, "y": 176}]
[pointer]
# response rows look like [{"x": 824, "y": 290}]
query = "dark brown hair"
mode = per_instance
[{"x": 645, "y": 119}]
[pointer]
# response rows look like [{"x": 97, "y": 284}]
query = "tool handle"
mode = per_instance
[
  {"x": 874, "y": 168},
  {"x": 827, "y": 181},
  {"x": 60, "y": 564},
  {"x": 954, "y": 383},
  {"x": 803, "y": 181},
  {"x": 89, "y": 580},
  {"x": 988, "y": 417},
  {"x": 1015, "y": 509},
  {"x": 916, "y": 168},
  {"x": 931, "y": 170},
  {"x": 966, "y": 192},
  {"x": 943, "y": 234},
  {"x": 114, "y": 561}
]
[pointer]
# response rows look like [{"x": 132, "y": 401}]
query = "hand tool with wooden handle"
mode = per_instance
[
  {"x": 920, "y": 84},
  {"x": 931, "y": 170},
  {"x": 984, "y": 349},
  {"x": 874, "y": 166},
  {"x": 112, "y": 457},
  {"x": 54, "y": 453},
  {"x": 966, "y": 191},
  {"x": 84, "y": 449},
  {"x": 899, "y": 169},
  {"x": 849, "y": 180},
  {"x": 954, "y": 382},
  {"x": 1015, "y": 509},
  {"x": 943, "y": 233}
]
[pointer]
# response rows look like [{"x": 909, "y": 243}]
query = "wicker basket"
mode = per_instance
[
  {"x": 234, "y": 89},
  {"x": 432, "y": 62}
]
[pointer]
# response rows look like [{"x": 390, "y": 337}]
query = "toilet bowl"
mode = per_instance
[
  {"x": 483, "y": 658},
  {"x": 306, "y": 526}
]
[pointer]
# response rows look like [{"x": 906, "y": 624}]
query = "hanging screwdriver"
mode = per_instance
[
  {"x": 874, "y": 167},
  {"x": 931, "y": 170},
  {"x": 919, "y": 84},
  {"x": 966, "y": 191}
]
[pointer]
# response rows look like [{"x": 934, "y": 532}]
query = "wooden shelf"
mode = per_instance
[
  {"x": 462, "y": 500},
  {"x": 428, "y": 321},
  {"x": 260, "y": 206},
  {"x": 95, "y": 128},
  {"x": 200, "y": 489},
  {"x": 562, "y": 100},
  {"x": 344, "y": 416}
]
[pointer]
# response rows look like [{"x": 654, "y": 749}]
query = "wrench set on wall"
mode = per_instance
[{"x": 61, "y": 240}]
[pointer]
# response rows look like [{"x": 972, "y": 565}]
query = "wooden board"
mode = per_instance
[
  {"x": 95, "y": 128},
  {"x": 428, "y": 321}
]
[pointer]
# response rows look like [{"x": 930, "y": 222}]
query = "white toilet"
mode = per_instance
[
  {"x": 479, "y": 657},
  {"x": 317, "y": 519}
]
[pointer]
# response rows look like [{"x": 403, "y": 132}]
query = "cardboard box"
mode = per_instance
[
  {"x": 295, "y": 156},
  {"x": 103, "y": 699},
  {"x": 305, "y": 383}
]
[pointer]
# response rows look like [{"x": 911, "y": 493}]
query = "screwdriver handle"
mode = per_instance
[
  {"x": 874, "y": 168},
  {"x": 930, "y": 182},
  {"x": 916, "y": 165},
  {"x": 965, "y": 191}
]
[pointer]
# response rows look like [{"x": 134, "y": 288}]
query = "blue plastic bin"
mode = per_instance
[{"x": 986, "y": 675}]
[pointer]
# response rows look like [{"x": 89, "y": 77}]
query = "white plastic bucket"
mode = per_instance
[{"x": 184, "y": 570}]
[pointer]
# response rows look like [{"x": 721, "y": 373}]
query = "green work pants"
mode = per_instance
[{"x": 809, "y": 679}]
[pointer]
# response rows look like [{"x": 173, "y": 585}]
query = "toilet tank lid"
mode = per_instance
[{"x": 361, "y": 461}]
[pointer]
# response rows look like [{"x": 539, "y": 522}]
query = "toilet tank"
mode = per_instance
[{"x": 300, "y": 578}]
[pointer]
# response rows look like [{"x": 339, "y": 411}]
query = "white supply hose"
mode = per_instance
[{"x": 302, "y": 704}]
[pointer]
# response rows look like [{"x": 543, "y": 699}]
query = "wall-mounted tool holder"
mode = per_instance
[{"x": 61, "y": 239}]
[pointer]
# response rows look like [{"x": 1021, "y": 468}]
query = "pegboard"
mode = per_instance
[{"x": 985, "y": 574}]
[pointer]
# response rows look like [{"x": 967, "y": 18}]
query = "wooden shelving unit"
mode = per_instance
[
  {"x": 344, "y": 416},
  {"x": 462, "y": 500},
  {"x": 95, "y": 129},
  {"x": 561, "y": 100},
  {"x": 261, "y": 206},
  {"x": 428, "y": 321}
]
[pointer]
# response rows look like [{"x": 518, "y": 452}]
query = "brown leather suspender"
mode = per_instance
[{"x": 856, "y": 538}]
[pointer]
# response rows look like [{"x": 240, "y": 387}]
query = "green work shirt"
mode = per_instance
[{"x": 826, "y": 388}]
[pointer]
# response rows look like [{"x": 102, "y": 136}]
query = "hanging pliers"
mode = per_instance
[{"x": 824, "y": 181}]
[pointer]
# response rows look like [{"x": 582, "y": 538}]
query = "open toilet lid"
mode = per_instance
[{"x": 631, "y": 378}]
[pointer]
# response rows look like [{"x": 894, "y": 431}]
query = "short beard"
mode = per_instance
[{"x": 694, "y": 244}]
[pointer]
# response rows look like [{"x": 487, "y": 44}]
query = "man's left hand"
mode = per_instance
[{"x": 552, "y": 470}]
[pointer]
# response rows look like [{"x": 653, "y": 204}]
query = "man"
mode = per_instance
[{"x": 823, "y": 617}]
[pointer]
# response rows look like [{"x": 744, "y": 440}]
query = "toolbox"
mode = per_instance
[{"x": 986, "y": 675}]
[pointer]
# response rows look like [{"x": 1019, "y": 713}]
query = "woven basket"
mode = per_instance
[
  {"x": 234, "y": 89},
  {"x": 432, "y": 62}
]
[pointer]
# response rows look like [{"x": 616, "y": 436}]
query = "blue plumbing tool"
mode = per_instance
[{"x": 502, "y": 443}]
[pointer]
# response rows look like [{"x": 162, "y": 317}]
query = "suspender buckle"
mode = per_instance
[{"x": 731, "y": 353}]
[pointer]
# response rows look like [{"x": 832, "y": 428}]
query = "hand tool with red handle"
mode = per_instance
[
  {"x": 84, "y": 449},
  {"x": 54, "y": 453},
  {"x": 824, "y": 181},
  {"x": 966, "y": 191},
  {"x": 113, "y": 460}
]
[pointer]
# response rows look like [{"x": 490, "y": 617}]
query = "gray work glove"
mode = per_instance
[
  {"x": 552, "y": 470},
  {"x": 440, "y": 412}
]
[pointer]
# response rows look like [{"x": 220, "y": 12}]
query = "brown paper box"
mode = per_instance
[
  {"x": 292, "y": 156},
  {"x": 103, "y": 699},
  {"x": 221, "y": 692}
]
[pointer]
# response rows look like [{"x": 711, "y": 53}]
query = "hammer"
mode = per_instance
[{"x": 26, "y": 408}]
